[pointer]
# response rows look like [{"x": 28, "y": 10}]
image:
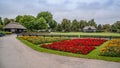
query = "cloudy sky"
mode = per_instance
[{"x": 103, "y": 11}]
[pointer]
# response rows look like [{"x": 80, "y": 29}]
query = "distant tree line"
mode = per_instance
[{"x": 45, "y": 21}]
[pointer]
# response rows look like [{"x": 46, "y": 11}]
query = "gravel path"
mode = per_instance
[{"x": 14, "y": 54}]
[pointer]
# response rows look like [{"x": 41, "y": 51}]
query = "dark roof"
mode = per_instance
[
  {"x": 14, "y": 25},
  {"x": 87, "y": 27}
]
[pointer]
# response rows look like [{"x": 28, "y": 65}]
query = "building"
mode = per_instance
[
  {"x": 89, "y": 29},
  {"x": 14, "y": 27}
]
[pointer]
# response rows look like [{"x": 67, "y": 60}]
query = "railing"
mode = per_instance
[
  {"x": 50, "y": 35},
  {"x": 71, "y": 36}
]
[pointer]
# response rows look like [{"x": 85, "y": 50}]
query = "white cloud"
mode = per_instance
[{"x": 103, "y": 11}]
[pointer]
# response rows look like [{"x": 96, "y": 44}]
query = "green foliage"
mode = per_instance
[
  {"x": 7, "y": 33},
  {"x": 19, "y": 19},
  {"x": 107, "y": 27},
  {"x": 82, "y": 24},
  {"x": 52, "y": 25},
  {"x": 26, "y": 20},
  {"x": 75, "y": 25},
  {"x": 41, "y": 24},
  {"x": 92, "y": 23},
  {"x": 116, "y": 27},
  {"x": 6, "y": 21},
  {"x": 1, "y": 27},
  {"x": 1, "y": 23},
  {"x": 66, "y": 25},
  {"x": 46, "y": 15},
  {"x": 59, "y": 28}
]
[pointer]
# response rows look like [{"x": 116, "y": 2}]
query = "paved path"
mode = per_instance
[{"x": 14, "y": 54}]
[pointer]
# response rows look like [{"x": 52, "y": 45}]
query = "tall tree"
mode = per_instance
[
  {"x": 107, "y": 27},
  {"x": 6, "y": 21},
  {"x": 52, "y": 25},
  {"x": 92, "y": 23},
  {"x": 46, "y": 15},
  {"x": 26, "y": 20},
  {"x": 19, "y": 19},
  {"x": 66, "y": 25},
  {"x": 75, "y": 25},
  {"x": 113, "y": 28},
  {"x": 59, "y": 28},
  {"x": 116, "y": 26},
  {"x": 99, "y": 27},
  {"x": 1, "y": 23},
  {"x": 82, "y": 24},
  {"x": 41, "y": 24}
]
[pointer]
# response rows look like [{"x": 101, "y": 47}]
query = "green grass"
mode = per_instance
[
  {"x": 82, "y": 33},
  {"x": 95, "y": 54}
]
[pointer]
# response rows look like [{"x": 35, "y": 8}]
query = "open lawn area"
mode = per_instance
[{"x": 82, "y": 33}]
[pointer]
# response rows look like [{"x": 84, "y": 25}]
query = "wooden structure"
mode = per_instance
[
  {"x": 89, "y": 29},
  {"x": 14, "y": 27}
]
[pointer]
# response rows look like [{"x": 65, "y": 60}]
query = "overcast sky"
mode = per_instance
[{"x": 103, "y": 11}]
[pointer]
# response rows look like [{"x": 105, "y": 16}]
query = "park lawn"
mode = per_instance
[
  {"x": 82, "y": 33},
  {"x": 95, "y": 54}
]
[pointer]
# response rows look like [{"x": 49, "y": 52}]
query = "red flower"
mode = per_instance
[{"x": 83, "y": 46}]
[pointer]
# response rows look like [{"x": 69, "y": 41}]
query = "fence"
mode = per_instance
[{"x": 71, "y": 36}]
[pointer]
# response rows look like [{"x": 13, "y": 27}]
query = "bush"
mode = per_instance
[
  {"x": 1, "y": 34},
  {"x": 7, "y": 33}
]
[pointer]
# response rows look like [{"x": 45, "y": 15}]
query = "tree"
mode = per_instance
[
  {"x": 41, "y": 24},
  {"x": 107, "y": 27},
  {"x": 116, "y": 27},
  {"x": 19, "y": 19},
  {"x": 82, "y": 24},
  {"x": 117, "y": 24},
  {"x": 1, "y": 27},
  {"x": 46, "y": 15},
  {"x": 30, "y": 25},
  {"x": 66, "y": 25},
  {"x": 113, "y": 28},
  {"x": 59, "y": 27},
  {"x": 92, "y": 23},
  {"x": 53, "y": 25},
  {"x": 1, "y": 23},
  {"x": 6, "y": 21},
  {"x": 75, "y": 25},
  {"x": 99, "y": 27},
  {"x": 12, "y": 20},
  {"x": 26, "y": 20}
]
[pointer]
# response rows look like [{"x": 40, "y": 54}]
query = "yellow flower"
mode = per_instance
[{"x": 103, "y": 49}]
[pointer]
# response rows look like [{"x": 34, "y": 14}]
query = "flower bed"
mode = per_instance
[
  {"x": 83, "y": 46},
  {"x": 40, "y": 39},
  {"x": 112, "y": 48}
]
